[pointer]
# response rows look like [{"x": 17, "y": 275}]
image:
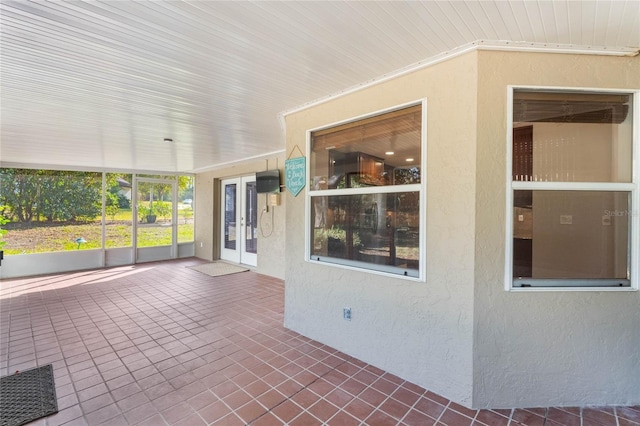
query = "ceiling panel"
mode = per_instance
[{"x": 100, "y": 84}]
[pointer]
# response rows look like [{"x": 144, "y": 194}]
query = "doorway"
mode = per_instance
[
  {"x": 239, "y": 220},
  {"x": 155, "y": 229}
]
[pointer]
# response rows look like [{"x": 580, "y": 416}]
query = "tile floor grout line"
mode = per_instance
[
  {"x": 340, "y": 409},
  {"x": 443, "y": 411},
  {"x": 412, "y": 407},
  {"x": 71, "y": 313},
  {"x": 303, "y": 388}
]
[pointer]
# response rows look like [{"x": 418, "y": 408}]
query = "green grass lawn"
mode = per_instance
[{"x": 44, "y": 237}]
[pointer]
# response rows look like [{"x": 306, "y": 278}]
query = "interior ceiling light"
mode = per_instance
[
  {"x": 168, "y": 140},
  {"x": 409, "y": 160},
  {"x": 389, "y": 153}
]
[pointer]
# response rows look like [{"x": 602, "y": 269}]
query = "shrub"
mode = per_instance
[{"x": 162, "y": 208}]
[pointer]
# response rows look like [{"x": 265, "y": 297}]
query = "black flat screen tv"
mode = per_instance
[{"x": 268, "y": 181}]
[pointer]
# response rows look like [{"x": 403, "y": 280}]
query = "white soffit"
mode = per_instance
[
  {"x": 100, "y": 84},
  {"x": 476, "y": 45}
]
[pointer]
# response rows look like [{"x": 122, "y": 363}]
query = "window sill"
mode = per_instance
[
  {"x": 528, "y": 284},
  {"x": 388, "y": 271}
]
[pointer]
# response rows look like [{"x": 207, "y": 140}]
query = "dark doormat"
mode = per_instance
[{"x": 27, "y": 396}]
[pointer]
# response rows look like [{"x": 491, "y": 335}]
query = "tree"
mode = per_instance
[
  {"x": 112, "y": 205},
  {"x": 54, "y": 195},
  {"x": 19, "y": 192},
  {"x": 3, "y": 221}
]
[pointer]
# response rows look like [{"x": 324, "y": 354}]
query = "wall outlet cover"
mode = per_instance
[
  {"x": 346, "y": 314},
  {"x": 566, "y": 219}
]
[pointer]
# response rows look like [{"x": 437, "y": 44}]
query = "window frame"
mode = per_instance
[
  {"x": 576, "y": 284},
  {"x": 104, "y": 237},
  {"x": 420, "y": 188}
]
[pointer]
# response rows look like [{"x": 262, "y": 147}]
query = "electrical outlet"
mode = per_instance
[
  {"x": 346, "y": 314},
  {"x": 566, "y": 219}
]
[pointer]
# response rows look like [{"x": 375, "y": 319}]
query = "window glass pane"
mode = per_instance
[
  {"x": 571, "y": 234},
  {"x": 230, "y": 216},
  {"x": 382, "y": 230},
  {"x": 185, "y": 209},
  {"x": 380, "y": 150},
  {"x": 572, "y": 137},
  {"x": 51, "y": 211},
  {"x": 118, "y": 210},
  {"x": 251, "y": 218}
]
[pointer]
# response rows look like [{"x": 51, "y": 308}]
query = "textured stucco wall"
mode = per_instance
[
  {"x": 419, "y": 331},
  {"x": 543, "y": 348},
  {"x": 271, "y": 231}
]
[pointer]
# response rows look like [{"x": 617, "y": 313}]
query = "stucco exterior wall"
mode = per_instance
[
  {"x": 543, "y": 348},
  {"x": 421, "y": 331},
  {"x": 271, "y": 231}
]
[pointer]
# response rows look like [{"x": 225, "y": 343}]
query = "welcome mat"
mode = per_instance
[
  {"x": 216, "y": 269},
  {"x": 26, "y": 396}
]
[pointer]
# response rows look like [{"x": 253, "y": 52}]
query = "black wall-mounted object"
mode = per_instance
[{"x": 268, "y": 181}]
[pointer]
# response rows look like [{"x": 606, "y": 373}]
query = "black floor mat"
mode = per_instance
[{"x": 27, "y": 396}]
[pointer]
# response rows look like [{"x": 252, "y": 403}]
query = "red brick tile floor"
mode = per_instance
[{"x": 162, "y": 344}]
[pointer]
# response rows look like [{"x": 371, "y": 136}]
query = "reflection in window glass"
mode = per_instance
[
  {"x": 365, "y": 192},
  {"x": 118, "y": 210},
  {"x": 377, "y": 229},
  {"x": 380, "y": 150}
]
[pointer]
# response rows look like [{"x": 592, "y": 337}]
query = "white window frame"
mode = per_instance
[
  {"x": 573, "y": 284},
  {"x": 372, "y": 268}
]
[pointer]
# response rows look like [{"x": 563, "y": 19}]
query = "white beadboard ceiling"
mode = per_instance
[{"x": 100, "y": 84}]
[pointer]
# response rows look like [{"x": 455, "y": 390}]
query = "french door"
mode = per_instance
[{"x": 239, "y": 220}]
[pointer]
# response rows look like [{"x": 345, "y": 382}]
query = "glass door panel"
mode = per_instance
[
  {"x": 230, "y": 221},
  {"x": 239, "y": 220},
  {"x": 249, "y": 249},
  {"x": 155, "y": 225}
]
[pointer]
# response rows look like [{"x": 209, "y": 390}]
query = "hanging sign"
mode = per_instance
[{"x": 295, "y": 170}]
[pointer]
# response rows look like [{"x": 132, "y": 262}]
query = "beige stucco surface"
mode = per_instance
[
  {"x": 458, "y": 333},
  {"x": 543, "y": 348},
  {"x": 421, "y": 331},
  {"x": 271, "y": 231}
]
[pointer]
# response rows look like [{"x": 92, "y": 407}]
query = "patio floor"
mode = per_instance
[{"x": 159, "y": 343}]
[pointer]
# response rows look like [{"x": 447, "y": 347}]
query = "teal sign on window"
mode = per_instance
[{"x": 295, "y": 171}]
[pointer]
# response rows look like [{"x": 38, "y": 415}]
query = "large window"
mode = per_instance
[
  {"x": 50, "y": 210},
  {"x": 54, "y": 211},
  {"x": 366, "y": 196},
  {"x": 572, "y": 190}
]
